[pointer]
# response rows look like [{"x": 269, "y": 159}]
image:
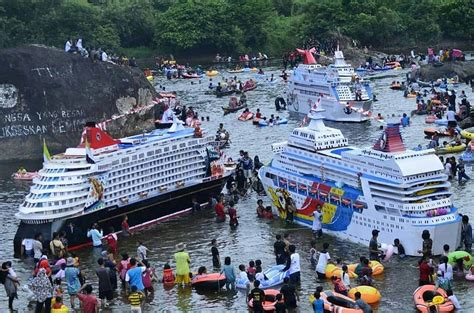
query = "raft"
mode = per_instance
[
  {"x": 150, "y": 78},
  {"x": 430, "y": 119},
  {"x": 264, "y": 123},
  {"x": 441, "y": 122},
  {"x": 368, "y": 293},
  {"x": 467, "y": 134},
  {"x": 430, "y": 131},
  {"x": 235, "y": 71},
  {"x": 270, "y": 300},
  {"x": 274, "y": 274},
  {"x": 377, "y": 267},
  {"x": 450, "y": 149},
  {"x": 333, "y": 270},
  {"x": 245, "y": 116},
  {"x": 25, "y": 176},
  {"x": 212, "y": 73},
  {"x": 189, "y": 76},
  {"x": 396, "y": 87},
  {"x": 335, "y": 302},
  {"x": 453, "y": 256},
  {"x": 213, "y": 281},
  {"x": 228, "y": 110},
  {"x": 429, "y": 299}
]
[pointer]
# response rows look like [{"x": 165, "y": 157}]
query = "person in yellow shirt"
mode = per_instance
[
  {"x": 182, "y": 264},
  {"x": 58, "y": 306}
]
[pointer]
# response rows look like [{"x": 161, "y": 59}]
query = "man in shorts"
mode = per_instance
[{"x": 182, "y": 265}]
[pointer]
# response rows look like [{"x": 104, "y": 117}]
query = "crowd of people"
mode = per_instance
[
  {"x": 245, "y": 58},
  {"x": 97, "y": 54}
]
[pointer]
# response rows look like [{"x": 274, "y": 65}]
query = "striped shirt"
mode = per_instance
[{"x": 135, "y": 298}]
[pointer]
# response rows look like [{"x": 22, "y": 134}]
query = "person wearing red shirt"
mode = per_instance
[
  {"x": 112, "y": 241},
  {"x": 425, "y": 272},
  {"x": 220, "y": 214},
  {"x": 89, "y": 302},
  {"x": 125, "y": 227},
  {"x": 43, "y": 263}
]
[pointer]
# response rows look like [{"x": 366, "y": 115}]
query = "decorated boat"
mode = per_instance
[
  {"x": 148, "y": 177},
  {"x": 387, "y": 187},
  {"x": 336, "y": 86}
]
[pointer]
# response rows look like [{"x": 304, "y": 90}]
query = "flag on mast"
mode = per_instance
[
  {"x": 46, "y": 155},
  {"x": 89, "y": 154}
]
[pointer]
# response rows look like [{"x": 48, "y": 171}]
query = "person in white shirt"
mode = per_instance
[
  {"x": 68, "y": 45},
  {"x": 79, "y": 45},
  {"x": 141, "y": 251},
  {"x": 37, "y": 247},
  {"x": 293, "y": 265},
  {"x": 27, "y": 248},
  {"x": 104, "y": 56},
  {"x": 453, "y": 299},
  {"x": 323, "y": 260},
  {"x": 447, "y": 169},
  {"x": 445, "y": 268},
  {"x": 317, "y": 227},
  {"x": 346, "y": 280}
]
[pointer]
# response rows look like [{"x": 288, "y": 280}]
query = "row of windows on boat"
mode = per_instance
[
  {"x": 174, "y": 174},
  {"x": 175, "y": 153},
  {"x": 53, "y": 203},
  {"x": 55, "y": 194},
  {"x": 164, "y": 163},
  {"x": 122, "y": 196}
]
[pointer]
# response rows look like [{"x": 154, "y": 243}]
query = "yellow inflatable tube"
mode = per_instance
[
  {"x": 377, "y": 267},
  {"x": 368, "y": 294},
  {"x": 466, "y": 134},
  {"x": 212, "y": 73},
  {"x": 450, "y": 149},
  {"x": 333, "y": 270}
]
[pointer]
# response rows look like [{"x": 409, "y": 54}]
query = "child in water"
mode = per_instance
[
  {"x": 251, "y": 271},
  {"x": 168, "y": 275}
]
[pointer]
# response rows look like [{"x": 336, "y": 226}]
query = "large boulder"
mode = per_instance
[
  {"x": 47, "y": 93},
  {"x": 463, "y": 69}
]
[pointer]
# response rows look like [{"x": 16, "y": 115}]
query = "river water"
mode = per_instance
[{"x": 254, "y": 238}]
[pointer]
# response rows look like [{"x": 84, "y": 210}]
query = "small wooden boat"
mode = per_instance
[
  {"x": 27, "y": 176},
  {"x": 227, "y": 92},
  {"x": 124, "y": 200},
  {"x": 180, "y": 184},
  {"x": 143, "y": 194},
  {"x": 163, "y": 188},
  {"x": 430, "y": 131},
  {"x": 228, "y": 110}
]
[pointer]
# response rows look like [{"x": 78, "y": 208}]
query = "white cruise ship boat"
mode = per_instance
[
  {"x": 148, "y": 177},
  {"x": 400, "y": 192},
  {"x": 337, "y": 87}
]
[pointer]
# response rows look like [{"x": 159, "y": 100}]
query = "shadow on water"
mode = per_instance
[{"x": 253, "y": 238}]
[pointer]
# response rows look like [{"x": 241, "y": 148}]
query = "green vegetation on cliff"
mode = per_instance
[{"x": 207, "y": 26}]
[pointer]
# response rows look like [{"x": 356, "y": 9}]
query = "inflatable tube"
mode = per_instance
[
  {"x": 189, "y": 76},
  {"x": 429, "y": 299},
  {"x": 396, "y": 87},
  {"x": 212, "y": 73},
  {"x": 441, "y": 122},
  {"x": 254, "y": 69},
  {"x": 467, "y": 157},
  {"x": 450, "y": 149},
  {"x": 411, "y": 95},
  {"x": 368, "y": 293},
  {"x": 470, "y": 277},
  {"x": 26, "y": 176},
  {"x": 281, "y": 121},
  {"x": 245, "y": 116},
  {"x": 388, "y": 250},
  {"x": 335, "y": 302},
  {"x": 235, "y": 71},
  {"x": 333, "y": 270},
  {"x": 262, "y": 123},
  {"x": 467, "y": 134},
  {"x": 377, "y": 267},
  {"x": 150, "y": 78},
  {"x": 274, "y": 274},
  {"x": 455, "y": 255},
  {"x": 213, "y": 281},
  {"x": 270, "y": 300},
  {"x": 430, "y": 131},
  {"x": 430, "y": 119}
]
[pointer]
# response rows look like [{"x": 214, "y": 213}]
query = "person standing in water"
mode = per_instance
[
  {"x": 182, "y": 265},
  {"x": 293, "y": 265},
  {"x": 427, "y": 244},
  {"x": 232, "y": 214},
  {"x": 216, "y": 261},
  {"x": 374, "y": 253},
  {"x": 466, "y": 234},
  {"x": 279, "y": 250},
  {"x": 317, "y": 227}
]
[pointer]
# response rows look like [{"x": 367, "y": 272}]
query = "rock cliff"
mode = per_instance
[
  {"x": 464, "y": 69},
  {"x": 47, "y": 93}
]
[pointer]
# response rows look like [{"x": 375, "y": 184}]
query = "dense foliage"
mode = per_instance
[{"x": 233, "y": 25}]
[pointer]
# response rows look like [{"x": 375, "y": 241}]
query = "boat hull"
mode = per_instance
[
  {"x": 349, "y": 222},
  {"x": 140, "y": 214}
]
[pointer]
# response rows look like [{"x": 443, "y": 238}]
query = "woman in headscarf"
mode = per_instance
[
  {"x": 9, "y": 280},
  {"x": 42, "y": 289}
]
